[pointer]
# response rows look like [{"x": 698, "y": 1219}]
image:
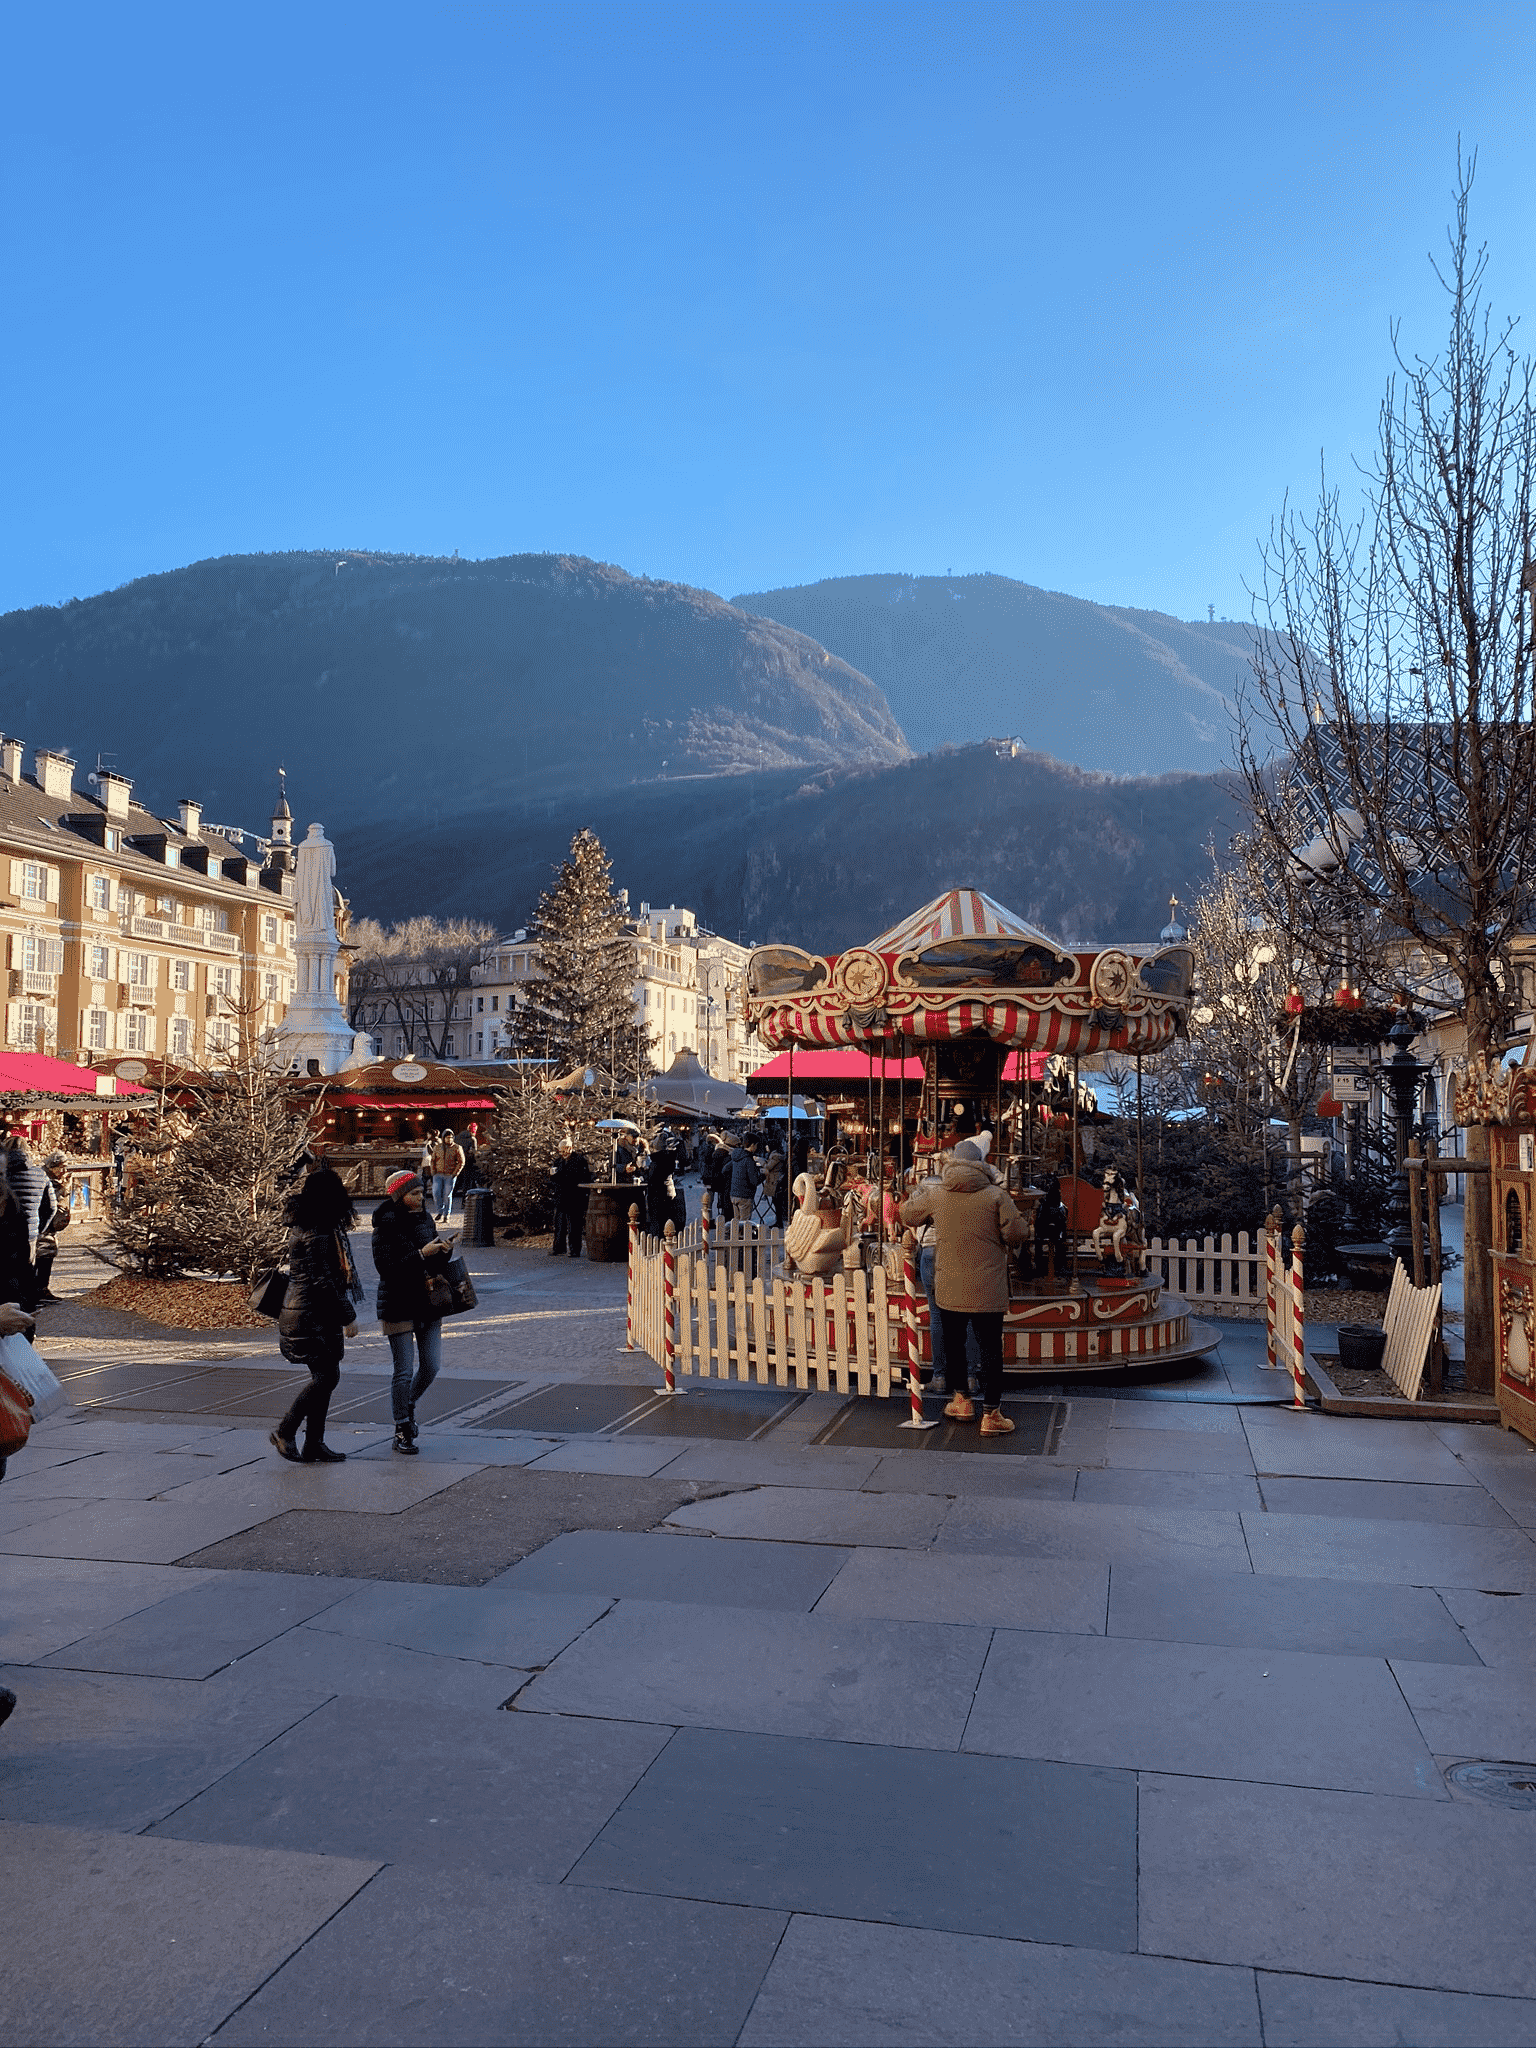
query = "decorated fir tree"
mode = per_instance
[{"x": 583, "y": 997}]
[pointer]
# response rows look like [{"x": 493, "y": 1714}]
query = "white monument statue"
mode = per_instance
[{"x": 315, "y": 1028}]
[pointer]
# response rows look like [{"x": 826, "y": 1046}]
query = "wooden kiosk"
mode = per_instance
[{"x": 1504, "y": 1099}]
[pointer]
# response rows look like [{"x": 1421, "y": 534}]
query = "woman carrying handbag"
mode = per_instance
[
  {"x": 409, "y": 1257},
  {"x": 319, "y": 1308}
]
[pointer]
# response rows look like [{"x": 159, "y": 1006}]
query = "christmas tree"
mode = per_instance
[{"x": 584, "y": 994}]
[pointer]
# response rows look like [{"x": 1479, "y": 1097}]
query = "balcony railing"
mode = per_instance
[
  {"x": 223, "y": 942},
  {"x": 147, "y": 927},
  {"x": 33, "y": 984}
]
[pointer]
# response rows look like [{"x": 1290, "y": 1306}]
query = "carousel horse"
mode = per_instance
[{"x": 1117, "y": 1237}]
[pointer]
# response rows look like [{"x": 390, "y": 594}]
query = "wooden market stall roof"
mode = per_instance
[
  {"x": 34, "y": 1073},
  {"x": 393, "y": 1085}
]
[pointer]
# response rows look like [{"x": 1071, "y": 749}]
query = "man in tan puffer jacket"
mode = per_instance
[{"x": 976, "y": 1223}]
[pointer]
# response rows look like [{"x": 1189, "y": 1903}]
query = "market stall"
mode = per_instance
[
  {"x": 374, "y": 1120},
  {"x": 59, "y": 1106}
]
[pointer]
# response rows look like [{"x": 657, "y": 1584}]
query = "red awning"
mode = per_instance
[
  {"x": 33, "y": 1073},
  {"x": 398, "y": 1102},
  {"x": 832, "y": 1064}
]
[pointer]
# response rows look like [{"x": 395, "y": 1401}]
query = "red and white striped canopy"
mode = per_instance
[{"x": 957, "y": 914}]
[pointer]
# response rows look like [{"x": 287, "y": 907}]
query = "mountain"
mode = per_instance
[
  {"x": 418, "y": 689},
  {"x": 830, "y": 860},
  {"x": 964, "y": 657}
]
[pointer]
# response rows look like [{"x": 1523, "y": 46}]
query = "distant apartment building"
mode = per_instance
[
  {"x": 127, "y": 933},
  {"x": 688, "y": 993}
]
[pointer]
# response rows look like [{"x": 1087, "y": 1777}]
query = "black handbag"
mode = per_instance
[
  {"x": 269, "y": 1294},
  {"x": 451, "y": 1292}
]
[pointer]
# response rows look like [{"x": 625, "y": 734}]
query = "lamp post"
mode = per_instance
[{"x": 1403, "y": 1074}]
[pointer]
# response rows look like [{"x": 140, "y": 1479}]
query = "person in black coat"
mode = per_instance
[
  {"x": 568, "y": 1179},
  {"x": 664, "y": 1207},
  {"x": 319, "y": 1309},
  {"x": 18, "y": 1275},
  {"x": 405, "y": 1247}
]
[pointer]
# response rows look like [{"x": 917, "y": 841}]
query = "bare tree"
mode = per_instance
[
  {"x": 1393, "y": 674},
  {"x": 408, "y": 977}
]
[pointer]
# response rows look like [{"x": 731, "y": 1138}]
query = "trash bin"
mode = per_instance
[
  {"x": 1361, "y": 1346},
  {"x": 479, "y": 1218}
]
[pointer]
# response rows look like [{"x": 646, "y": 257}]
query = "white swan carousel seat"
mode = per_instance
[{"x": 817, "y": 1232}]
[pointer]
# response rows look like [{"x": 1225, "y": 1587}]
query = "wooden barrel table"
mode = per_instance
[{"x": 608, "y": 1219}]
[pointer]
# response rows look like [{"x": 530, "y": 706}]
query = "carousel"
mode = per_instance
[{"x": 982, "y": 1021}]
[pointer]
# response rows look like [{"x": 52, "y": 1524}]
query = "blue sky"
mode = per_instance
[{"x": 737, "y": 296}]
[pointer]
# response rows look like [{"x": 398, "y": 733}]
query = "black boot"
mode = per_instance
[
  {"x": 404, "y": 1447},
  {"x": 7, "y": 1703},
  {"x": 322, "y": 1454},
  {"x": 410, "y": 1423}
]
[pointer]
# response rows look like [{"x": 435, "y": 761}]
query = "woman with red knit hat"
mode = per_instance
[{"x": 405, "y": 1241}]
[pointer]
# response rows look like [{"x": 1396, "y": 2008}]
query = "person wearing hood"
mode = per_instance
[
  {"x": 975, "y": 1222},
  {"x": 405, "y": 1243},
  {"x": 319, "y": 1309}
]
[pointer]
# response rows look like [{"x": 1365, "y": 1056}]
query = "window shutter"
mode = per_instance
[
  {"x": 12, "y": 1022},
  {"x": 53, "y": 885},
  {"x": 16, "y": 878}
]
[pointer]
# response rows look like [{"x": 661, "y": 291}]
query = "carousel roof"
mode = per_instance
[{"x": 957, "y": 914}]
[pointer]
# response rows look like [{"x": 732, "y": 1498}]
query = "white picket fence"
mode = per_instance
[
  {"x": 1220, "y": 1276},
  {"x": 724, "y": 1309},
  {"x": 1285, "y": 1320}
]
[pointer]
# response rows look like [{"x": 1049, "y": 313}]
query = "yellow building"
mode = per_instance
[{"x": 127, "y": 933}]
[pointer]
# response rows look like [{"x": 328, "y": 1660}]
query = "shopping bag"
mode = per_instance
[
  {"x": 31, "y": 1372},
  {"x": 15, "y": 1416},
  {"x": 269, "y": 1294},
  {"x": 451, "y": 1292}
]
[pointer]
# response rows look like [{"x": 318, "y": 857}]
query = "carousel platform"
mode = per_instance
[{"x": 1101, "y": 1328}]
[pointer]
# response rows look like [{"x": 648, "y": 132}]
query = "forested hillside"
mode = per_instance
[
  {"x": 959, "y": 658},
  {"x": 828, "y": 861}
]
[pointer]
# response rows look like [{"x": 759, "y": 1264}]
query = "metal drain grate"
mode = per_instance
[{"x": 1511, "y": 1785}]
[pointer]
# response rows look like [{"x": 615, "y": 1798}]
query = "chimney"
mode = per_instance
[
  {"x": 55, "y": 771},
  {"x": 115, "y": 792},
  {"x": 10, "y": 759},
  {"x": 191, "y": 816}
]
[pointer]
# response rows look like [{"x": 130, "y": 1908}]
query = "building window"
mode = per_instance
[
  {"x": 165, "y": 906},
  {"x": 272, "y": 986},
  {"x": 34, "y": 881},
  {"x": 215, "y": 869},
  {"x": 135, "y": 1031},
  {"x": 495, "y": 1002},
  {"x": 269, "y": 929},
  {"x": 38, "y": 956},
  {"x": 101, "y": 892},
  {"x": 479, "y": 1041},
  {"x": 114, "y": 840},
  {"x": 99, "y": 959},
  {"x": 141, "y": 972},
  {"x": 181, "y": 976},
  {"x": 479, "y": 1004},
  {"x": 448, "y": 1048},
  {"x": 98, "y": 1030},
  {"x": 399, "y": 1041},
  {"x": 179, "y": 1037}
]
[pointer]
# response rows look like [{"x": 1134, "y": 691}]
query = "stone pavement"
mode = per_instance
[{"x": 747, "y": 1718}]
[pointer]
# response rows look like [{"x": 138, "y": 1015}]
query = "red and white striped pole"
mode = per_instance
[
  {"x": 1271, "y": 1225},
  {"x": 633, "y": 1279},
  {"x": 917, "y": 1419},
  {"x": 1298, "y": 1358},
  {"x": 669, "y": 1309}
]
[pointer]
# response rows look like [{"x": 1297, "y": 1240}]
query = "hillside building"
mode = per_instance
[{"x": 127, "y": 933}]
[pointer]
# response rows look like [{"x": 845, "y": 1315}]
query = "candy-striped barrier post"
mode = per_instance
[
  {"x": 917, "y": 1419},
  {"x": 1298, "y": 1358},
  {"x": 669, "y": 1309},
  {"x": 634, "y": 1271},
  {"x": 1271, "y": 1228}
]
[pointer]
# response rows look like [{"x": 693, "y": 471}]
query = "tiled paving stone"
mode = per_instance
[
  {"x": 507, "y": 1795},
  {"x": 951, "y": 1472},
  {"x": 132, "y": 1531},
  {"x": 1433, "y": 1893},
  {"x": 447, "y": 1396},
  {"x": 877, "y": 1426},
  {"x": 572, "y": 1409},
  {"x": 753, "y": 1669},
  {"x": 317, "y": 1664},
  {"x": 639, "y": 1457},
  {"x": 974, "y": 1845},
  {"x": 444, "y": 1957},
  {"x": 774, "y": 1462},
  {"x": 462, "y": 1536},
  {"x": 197, "y": 1630},
  {"x": 1178, "y": 1450},
  {"x": 1471, "y": 1713},
  {"x": 805, "y": 1514},
  {"x": 1380, "y": 1500},
  {"x": 1392, "y": 1552},
  {"x": 1211, "y": 1541},
  {"x": 492, "y": 1624},
  {"x": 1277, "y": 1716},
  {"x": 1501, "y": 1628},
  {"x": 658, "y": 1566},
  {"x": 1199, "y": 1491},
  {"x": 1308, "y": 1446},
  {"x": 136, "y": 1940},
  {"x": 846, "y": 1983},
  {"x": 1312, "y": 2012},
  {"x": 1162, "y": 1603},
  {"x": 92, "y": 1749},
  {"x": 47, "y": 1602},
  {"x": 989, "y": 1592},
  {"x": 729, "y": 1414}
]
